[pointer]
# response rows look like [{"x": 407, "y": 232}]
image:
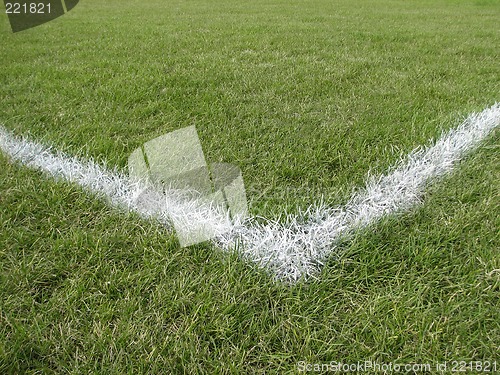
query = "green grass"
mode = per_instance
[{"x": 306, "y": 97}]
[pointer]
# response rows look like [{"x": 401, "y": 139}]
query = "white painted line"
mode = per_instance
[
  {"x": 292, "y": 249},
  {"x": 117, "y": 188}
]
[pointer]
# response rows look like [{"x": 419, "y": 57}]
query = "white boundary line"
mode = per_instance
[{"x": 295, "y": 248}]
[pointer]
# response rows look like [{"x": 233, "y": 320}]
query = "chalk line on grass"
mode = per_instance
[{"x": 291, "y": 249}]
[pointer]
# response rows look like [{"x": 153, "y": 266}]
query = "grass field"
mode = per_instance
[{"x": 306, "y": 97}]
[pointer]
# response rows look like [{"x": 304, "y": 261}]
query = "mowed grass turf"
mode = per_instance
[{"x": 306, "y": 97}]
